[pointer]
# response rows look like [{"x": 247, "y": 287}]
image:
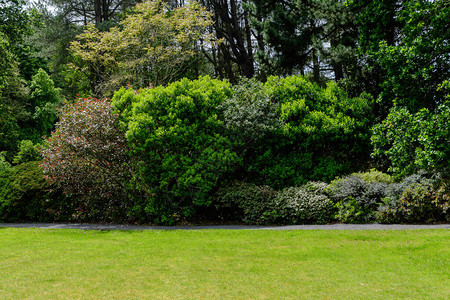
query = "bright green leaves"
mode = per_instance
[
  {"x": 191, "y": 137},
  {"x": 290, "y": 130},
  {"x": 311, "y": 111},
  {"x": 414, "y": 141},
  {"x": 27, "y": 152},
  {"x": 179, "y": 142}
]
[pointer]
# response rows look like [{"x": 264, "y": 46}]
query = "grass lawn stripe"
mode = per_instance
[{"x": 224, "y": 264}]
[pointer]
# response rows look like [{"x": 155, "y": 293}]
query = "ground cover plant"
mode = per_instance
[{"x": 218, "y": 264}]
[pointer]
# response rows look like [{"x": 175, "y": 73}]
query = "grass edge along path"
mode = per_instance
[{"x": 224, "y": 264}]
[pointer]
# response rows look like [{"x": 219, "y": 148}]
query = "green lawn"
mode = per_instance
[{"x": 224, "y": 264}]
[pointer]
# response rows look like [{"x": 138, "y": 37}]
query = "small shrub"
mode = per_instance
[
  {"x": 254, "y": 204},
  {"x": 316, "y": 187},
  {"x": 27, "y": 152},
  {"x": 442, "y": 199},
  {"x": 374, "y": 176},
  {"x": 393, "y": 191},
  {"x": 24, "y": 193},
  {"x": 356, "y": 199},
  {"x": 246, "y": 202},
  {"x": 417, "y": 198},
  {"x": 416, "y": 204},
  {"x": 298, "y": 205},
  {"x": 350, "y": 211}
]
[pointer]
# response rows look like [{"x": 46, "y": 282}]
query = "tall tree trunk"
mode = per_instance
[
  {"x": 316, "y": 65},
  {"x": 105, "y": 6},
  {"x": 98, "y": 11},
  {"x": 337, "y": 67}
]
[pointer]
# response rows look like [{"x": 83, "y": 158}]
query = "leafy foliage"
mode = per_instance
[
  {"x": 246, "y": 202},
  {"x": 152, "y": 46},
  {"x": 23, "y": 193},
  {"x": 417, "y": 198},
  {"x": 255, "y": 204},
  {"x": 323, "y": 133},
  {"x": 86, "y": 157},
  {"x": 181, "y": 146},
  {"x": 374, "y": 175},
  {"x": 12, "y": 99},
  {"x": 15, "y": 20},
  {"x": 414, "y": 141},
  {"x": 417, "y": 203},
  {"x": 250, "y": 113},
  {"x": 27, "y": 152},
  {"x": 44, "y": 99},
  {"x": 417, "y": 65},
  {"x": 9, "y": 131},
  {"x": 298, "y": 205},
  {"x": 356, "y": 199}
]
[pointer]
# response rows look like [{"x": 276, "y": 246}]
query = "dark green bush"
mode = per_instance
[
  {"x": 246, "y": 202},
  {"x": 414, "y": 141},
  {"x": 324, "y": 134},
  {"x": 254, "y": 204},
  {"x": 25, "y": 196},
  {"x": 291, "y": 131}
]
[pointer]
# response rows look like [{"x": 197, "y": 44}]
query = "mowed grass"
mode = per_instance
[{"x": 224, "y": 264}]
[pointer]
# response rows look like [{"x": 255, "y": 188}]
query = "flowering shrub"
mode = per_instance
[{"x": 86, "y": 156}]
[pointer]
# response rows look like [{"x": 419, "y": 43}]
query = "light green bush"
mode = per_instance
[
  {"x": 27, "y": 152},
  {"x": 374, "y": 176},
  {"x": 181, "y": 146}
]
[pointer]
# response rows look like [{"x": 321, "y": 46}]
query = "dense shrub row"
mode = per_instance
[
  {"x": 25, "y": 195},
  {"x": 357, "y": 198},
  {"x": 192, "y": 137},
  {"x": 254, "y": 153}
]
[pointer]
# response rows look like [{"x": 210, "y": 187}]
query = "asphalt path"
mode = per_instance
[{"x": 226, "y": 227}]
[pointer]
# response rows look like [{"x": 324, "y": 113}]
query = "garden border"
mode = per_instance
[{"x": 338, "y": 226}]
